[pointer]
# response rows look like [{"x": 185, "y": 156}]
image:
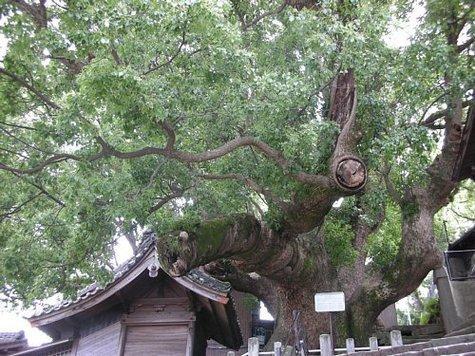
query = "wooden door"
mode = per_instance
[{"x": 163, "y": 340}]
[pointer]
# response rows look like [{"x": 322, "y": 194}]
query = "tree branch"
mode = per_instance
[
  {"x": 176, "y": 193},
  {"x": 441, "y": 114},
  {"x": 157, "y": 66},
  {"x": 392, "y": 191},
  {"x": 251, "y": 246},
  {"x": 464, "y": 46},
  {"x": 349, "y": 171},
  {"x": 170, "y": 133},
  {"x": 30, "y": 88},
  {"x": 16, "y": 138},
  {"x": 302, "y": 109},
  {"x": 270, "y": 197},
  {"x": 41, "y": 189},
  {"x": 116, "y": 56},
  {"x": 431, "y": 104},
  {"x": 183, "y": 156},
  {"x": 37, "y": 12},
  {"x": 73, "y": 66},
  {"x": 19, "y": 207},
  {"x": 463, "y": 216},
  {"x": 252, "y": 283},
  {"x": 257, "y": 19},
  {"x": 17, "y": 126}
]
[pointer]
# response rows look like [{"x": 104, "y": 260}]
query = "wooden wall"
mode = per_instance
[
  {"x": 100, "y": 343},
  {"x": 245, "y": 322},
  {"x": 166, "y": 340},
  {"x": 160, "y": 322}
]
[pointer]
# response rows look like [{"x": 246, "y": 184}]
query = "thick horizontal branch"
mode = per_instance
[
  {"x": 429, "y": 121},
  {"x": 183, "y": 156},
  {"x": 251, "y": 246}
]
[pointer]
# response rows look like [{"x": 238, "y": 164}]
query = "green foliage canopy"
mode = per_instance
[{"x": 117, "y": 69}]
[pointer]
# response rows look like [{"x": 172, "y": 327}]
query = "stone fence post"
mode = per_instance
[
  {"x": 396, "y": 338},
  {"x": 350, "y": 346},
  {"x": 373, "y": 344},
  {"x": 253, "y": 346},
  {"x": 326, "y": 347}
]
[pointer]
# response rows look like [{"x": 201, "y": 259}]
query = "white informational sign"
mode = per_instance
[{"x": 329, "y": 302}]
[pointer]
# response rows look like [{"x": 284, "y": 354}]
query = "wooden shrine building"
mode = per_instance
[{"x": 143, "y": 311}]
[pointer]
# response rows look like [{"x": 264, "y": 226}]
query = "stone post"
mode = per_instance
[
  {"x": 326, "y": 347},
  {"x": 289, "y": 351},
  {"x": 396, "y": 338},
  {"x": 373, "y": 343},
  {"x": 231, "y": 353},
  {"x": 277, "y": 348},
  {"x": 350, "y": 346},
  {"x": 253, "y": 346}
]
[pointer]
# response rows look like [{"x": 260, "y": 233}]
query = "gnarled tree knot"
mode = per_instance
[{"x": 350, "y": 173}]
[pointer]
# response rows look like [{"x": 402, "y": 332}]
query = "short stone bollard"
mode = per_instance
[
  {"x": 396, "y": 338},
  {"x": 231, "y": 353},
  {"x": 253, "y": 346},
  {"x": 289, "y": 351},
  {"x": 326, "y": 347},
  {"x": 277, "y": 348},
  {"x": 350, "y": 346},
  {"x": 373, "y": 343}
]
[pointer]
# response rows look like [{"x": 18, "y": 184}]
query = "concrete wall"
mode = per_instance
[{"x": 447, "y": 305}]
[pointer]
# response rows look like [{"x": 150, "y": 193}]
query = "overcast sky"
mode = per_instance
[{"x": 12, "y": 320}]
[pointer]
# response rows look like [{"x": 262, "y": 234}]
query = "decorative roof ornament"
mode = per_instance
[{"x": 155, "y": 265}]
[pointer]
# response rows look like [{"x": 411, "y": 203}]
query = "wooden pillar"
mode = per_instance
[
  {"x": 253, "y": 346},
  {"x": 396, "y": 338},
  {"x": 326, "y": 347},
  {"x": 373, "y": 344},
  {"x": 350, "y": 346}
]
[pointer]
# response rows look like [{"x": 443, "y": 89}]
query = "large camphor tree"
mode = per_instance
[{"x": 231, "y": 129}]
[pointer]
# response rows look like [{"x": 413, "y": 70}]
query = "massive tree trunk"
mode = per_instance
[{"x": 286, "y": 267}]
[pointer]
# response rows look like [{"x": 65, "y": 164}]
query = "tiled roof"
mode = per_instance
[
  {"x": 465, "y": 242},
  {"x": 148, "y": 241},
  {"x": 11, "y": 337},
  {"x": 204, "y": 279},
  {"x": 12, "y": 341}
]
